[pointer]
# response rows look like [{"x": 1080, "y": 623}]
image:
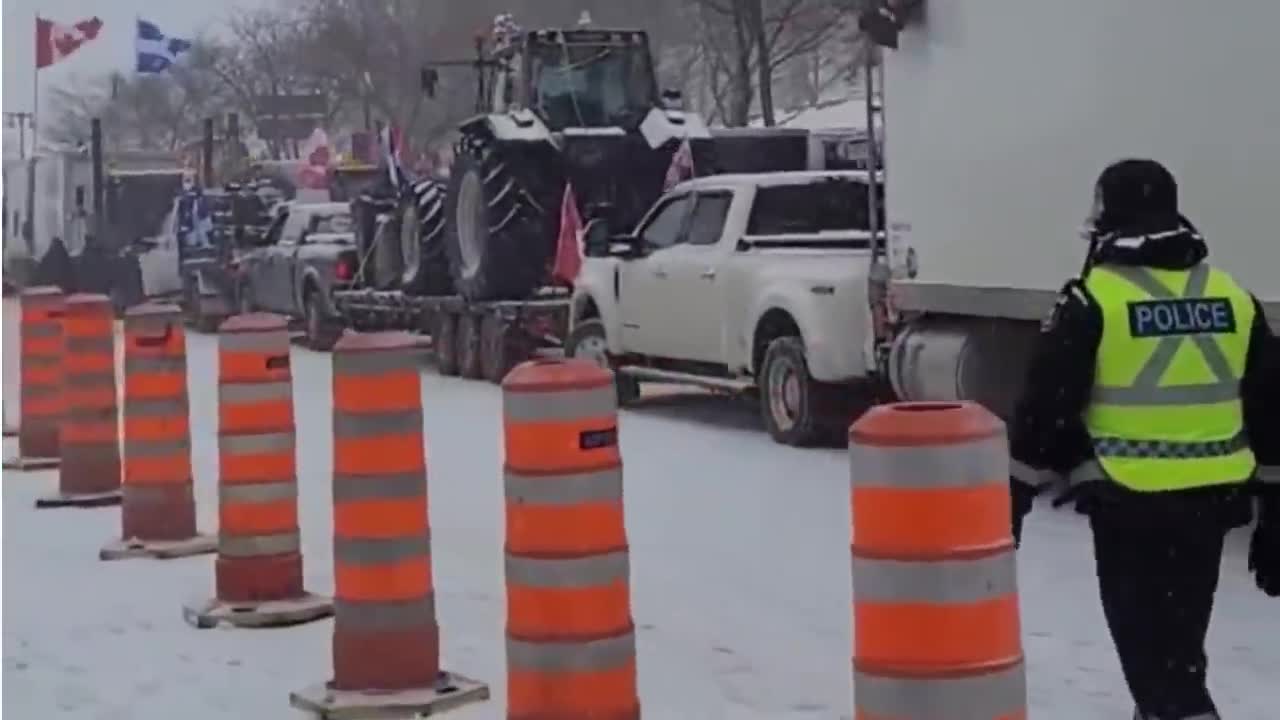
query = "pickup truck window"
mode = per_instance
[
  {"x": 336, "y": 223},
  {"x": 811, "y": 208},
  {"x": 667, "y": 226},
  {"x": 706, "y": 224}
]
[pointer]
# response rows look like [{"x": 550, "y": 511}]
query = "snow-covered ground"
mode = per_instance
[{"x": 740, "y": 580}]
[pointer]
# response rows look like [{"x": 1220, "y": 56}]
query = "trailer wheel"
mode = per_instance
[
  {"x": 589, "y": 342},
  {"x": 469, "y": 347},
  {"x": 444, "y": 342},
  {"x": 791, "y": 400},
  {"x": 500, "y": 348}
]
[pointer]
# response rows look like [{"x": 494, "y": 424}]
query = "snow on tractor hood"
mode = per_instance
[{"x": 661, "y": 126}]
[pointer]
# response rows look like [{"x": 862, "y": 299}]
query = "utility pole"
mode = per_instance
[{"x": 22, "y": 119}]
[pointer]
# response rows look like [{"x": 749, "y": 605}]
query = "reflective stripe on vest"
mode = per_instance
[{"x": 1165, "y": 413}]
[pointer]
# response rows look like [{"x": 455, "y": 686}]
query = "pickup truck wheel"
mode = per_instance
[
  {"x": 589, "y": 342},
  {"x": 322, "y": 332},
  {"x": 444, "y": 342},
  {"x": 469, "y": 347},
  {"x": 790, "y": 399},
  {"x": 500, "y": 349}
]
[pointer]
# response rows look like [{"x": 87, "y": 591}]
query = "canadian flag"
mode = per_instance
[
  {"x": 55, "y": 41},
  {"x": 569, "y": 244}
]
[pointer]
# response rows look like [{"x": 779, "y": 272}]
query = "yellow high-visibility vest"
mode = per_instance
[{"x": 1166, "y": 413}]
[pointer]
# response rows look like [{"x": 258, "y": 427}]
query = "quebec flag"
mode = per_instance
[{"x": 156, "y": 53}]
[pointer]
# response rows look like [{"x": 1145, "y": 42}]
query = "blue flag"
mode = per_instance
[{"x": 156, "y": 53}]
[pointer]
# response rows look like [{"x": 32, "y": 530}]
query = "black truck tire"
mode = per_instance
[
  {"x": 423, "y": 258},
  {"x": 501, "y": 348},
  {"x": 469, "y": 347},
  {"x": 323, "y": 332},
  {"x": 797, "y": 410},
  {"x": 385, "y": 254},
  {"x": 589, "y": 342},
  {"x": 444, "y": 342},
  {"x": 495, "y": 233}
]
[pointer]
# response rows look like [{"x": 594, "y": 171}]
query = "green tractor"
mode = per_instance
[{"x": 575, "y": 107}]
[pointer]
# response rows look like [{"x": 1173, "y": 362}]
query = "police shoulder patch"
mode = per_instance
[{"x": 1181, "y": 316}]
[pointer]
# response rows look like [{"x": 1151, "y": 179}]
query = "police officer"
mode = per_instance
[{"x": 1154, "y": 392}]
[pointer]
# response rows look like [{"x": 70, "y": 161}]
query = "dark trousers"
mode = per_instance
[{"x": 1157, "y": 587}]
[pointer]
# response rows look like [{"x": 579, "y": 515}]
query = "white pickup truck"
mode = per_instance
[{"x": 739, "y": 282}]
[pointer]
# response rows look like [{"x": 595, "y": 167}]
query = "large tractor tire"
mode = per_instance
[
  {"x": 495, "y": 232},
  {"x": 422, "y": 254}
]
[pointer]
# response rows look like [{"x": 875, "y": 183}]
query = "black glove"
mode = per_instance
[
  {"x": 1022, "y": 496},
  {"x": 1264, "y": 548}
]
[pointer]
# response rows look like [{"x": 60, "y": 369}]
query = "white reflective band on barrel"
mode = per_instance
[
  {"x": 1146, "y": 389},
  {"x": 41, "y": 331},
  {"x": 164, "y": 364},
  {"x": 381, "y": 551},
  {"x": 155, "y": 448},
  {"x": 90, "y": 345},
  {"x": 270, "y": 341},
  {"x": 90, "y": 380},
  {"x": 257, "y": 492},
  {"x": 375, "y": 362},
  {"x": 560, "y": 405},
  {"x": 156, "y": 494},
  {"x": 394, "y": 486},
  {"x": 256, "y": 444},
  {"x": 155, "y": 408},
  {"x": 1269, "y": 473},
  {"x": 236, "y": 393},
  {"x": 935, "y": 581},
  {"x": 257, "y": 545},
  {"x": 984, "y": 697},
  {"x": 568, "y": 657},
  {"x": 376, "y": 424},
  {"x": 969, "y": 464},
  {"x": 388, "y": 615},
  {"x": 585, "y": 487},
  {"x": 41, "y": 361},
  {"x": 562, "y": 573}
]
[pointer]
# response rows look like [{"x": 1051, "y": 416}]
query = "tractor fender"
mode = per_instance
[{"x": 661, "y": 126}]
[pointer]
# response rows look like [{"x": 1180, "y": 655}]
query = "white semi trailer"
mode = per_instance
[{"x": 999, "y": 115}]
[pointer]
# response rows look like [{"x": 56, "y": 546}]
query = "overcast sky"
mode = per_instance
[{"x": 112, "y": 50}]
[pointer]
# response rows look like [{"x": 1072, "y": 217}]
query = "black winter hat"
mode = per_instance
[{"x": 1136, "y": 193}]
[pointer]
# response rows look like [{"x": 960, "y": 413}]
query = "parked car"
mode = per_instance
[{"x": 307, "y": 253}]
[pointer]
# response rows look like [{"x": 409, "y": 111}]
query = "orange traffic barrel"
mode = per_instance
[
  {"x": 571, "y": 651},
  {"x": 41, "y": 403},
  {"x": 258, "y": 573},
  {"x": 386, "y": 644},
  {"x": 90, "y": 428},
  {"x": 159, "y": 511},
  {"x": 935, "y": 598}
]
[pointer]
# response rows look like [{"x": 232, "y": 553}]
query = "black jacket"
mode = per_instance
[{"x": 1048, "y": 431}]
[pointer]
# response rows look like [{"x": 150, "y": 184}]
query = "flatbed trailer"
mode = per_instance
[{"x": 477, "y": 340}]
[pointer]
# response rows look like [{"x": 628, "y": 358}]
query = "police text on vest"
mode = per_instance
[{"x": 1192, "y": 316}]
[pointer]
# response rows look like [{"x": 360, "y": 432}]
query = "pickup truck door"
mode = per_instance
[
  {"x": 694, "y": 284},
  {"x": 644, "y": 303}
]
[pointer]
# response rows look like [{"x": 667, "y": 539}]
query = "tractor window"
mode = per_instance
[
  {"x": 667, "y": 225},
  {"x": 591, "y": 85}
]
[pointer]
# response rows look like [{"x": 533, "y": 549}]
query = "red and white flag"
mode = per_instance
[
  {"x": 681, "y": 167},
  {"x": 55, "y": 41},
  {"x": 569, "y": 243}
]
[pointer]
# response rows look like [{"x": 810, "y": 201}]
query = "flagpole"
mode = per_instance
[{"x": 35, "y": 90}]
